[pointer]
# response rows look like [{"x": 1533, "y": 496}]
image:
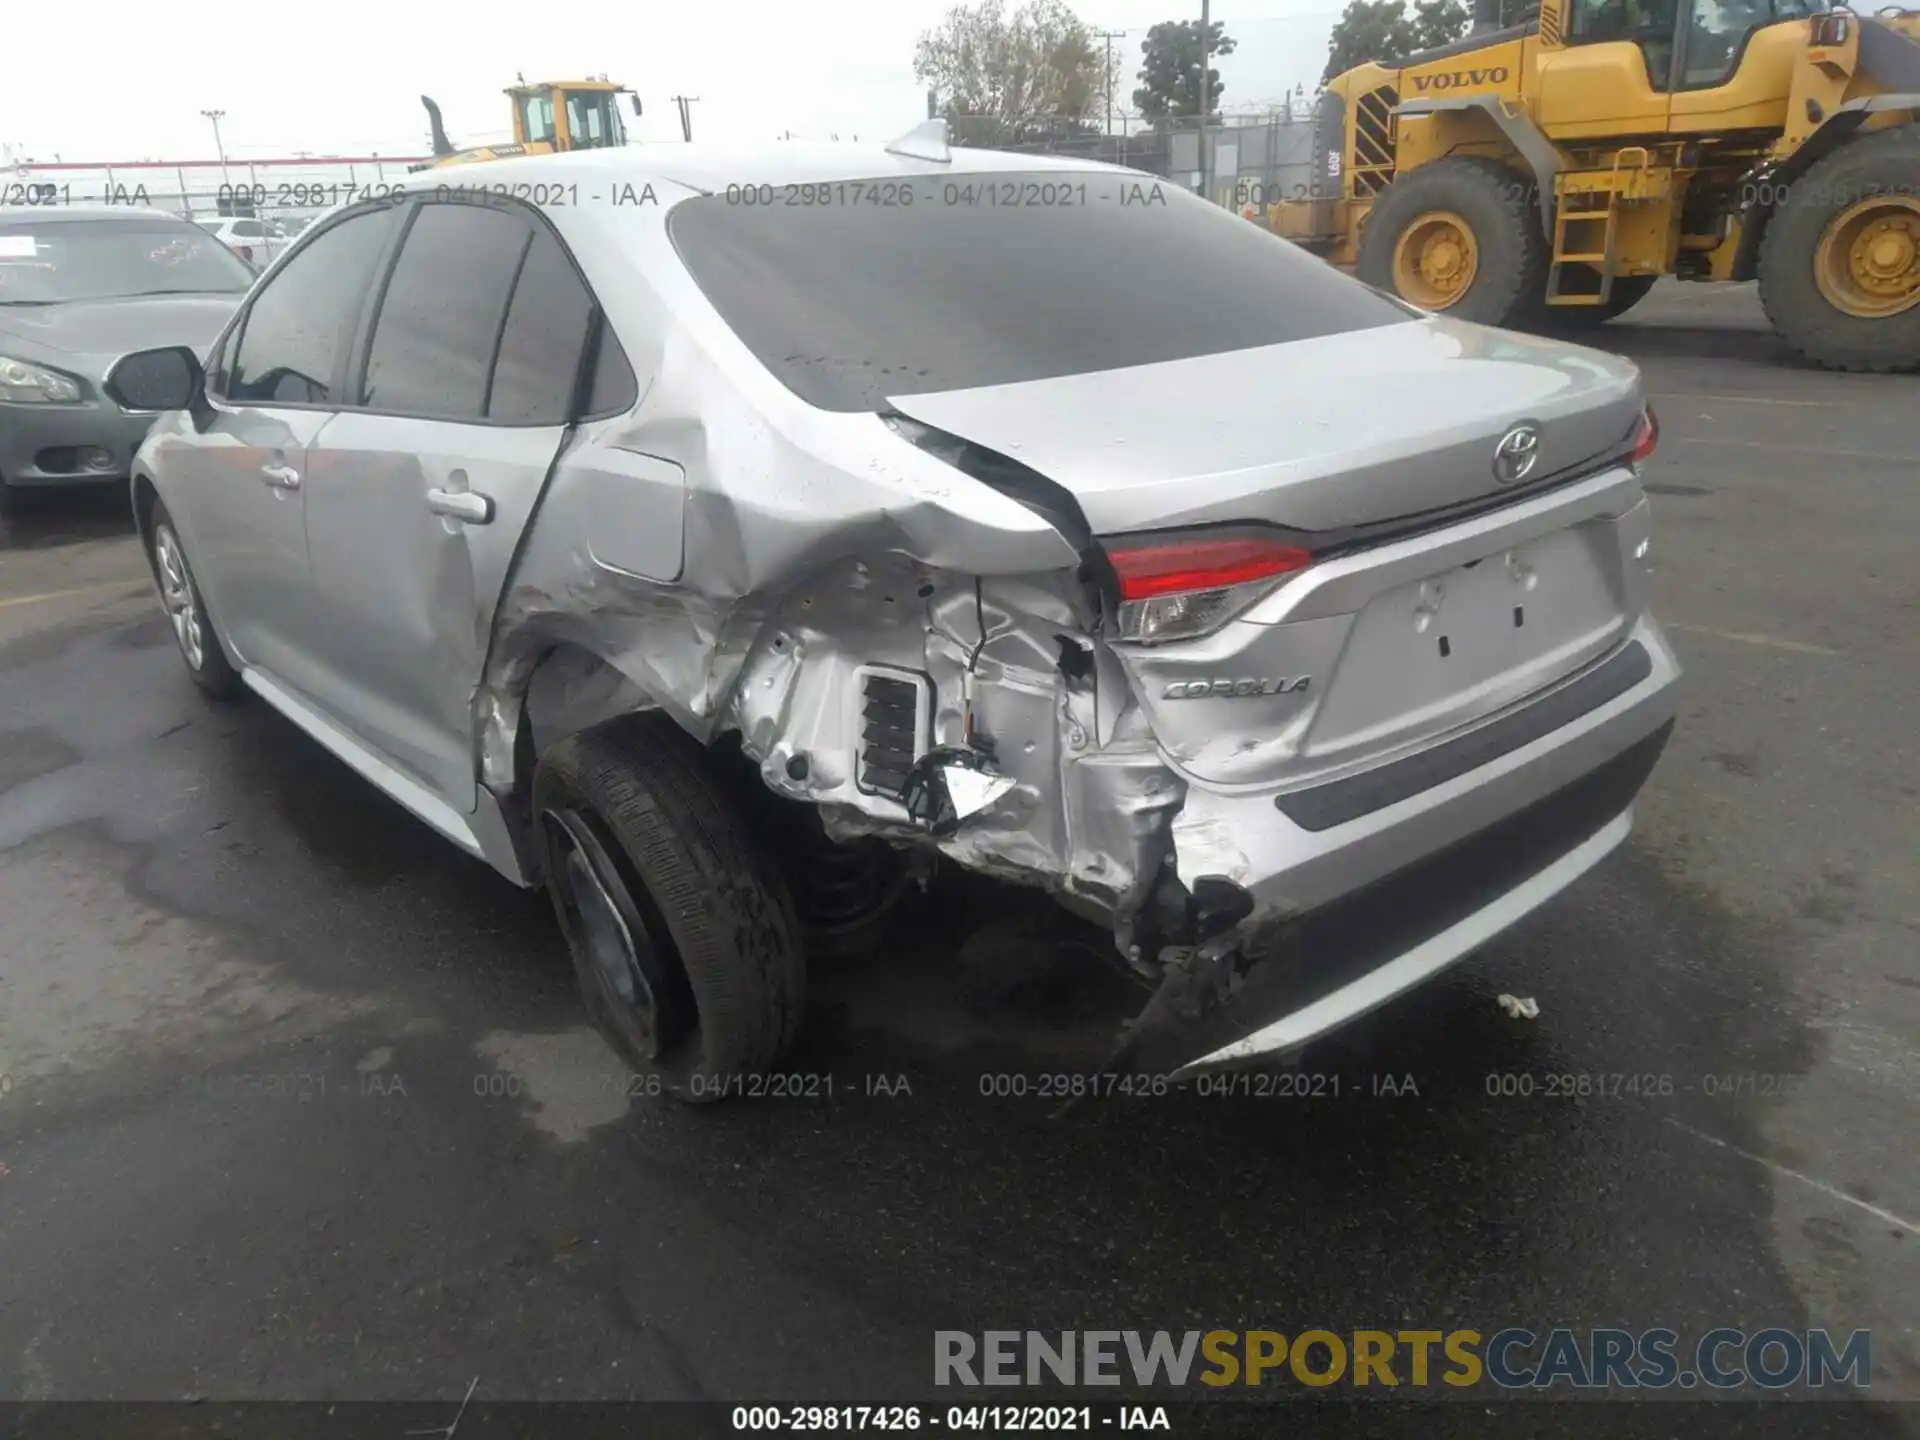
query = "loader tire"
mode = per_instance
[
  {"x": 1412, "y": 244},
  {"x": 682, "y": 932},
  {"x": 1840, "y": 261}
]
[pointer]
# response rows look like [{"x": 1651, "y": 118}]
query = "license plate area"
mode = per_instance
[{"x": 1439, "y": 652}]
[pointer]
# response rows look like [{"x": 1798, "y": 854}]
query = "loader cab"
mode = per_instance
[
  {"x": 1644, "y": 67},
  {"x": 1647, "y": 25},
  {"x": 572, "y": 115}
]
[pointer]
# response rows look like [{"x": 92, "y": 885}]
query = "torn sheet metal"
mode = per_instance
[{"x": 795, "y": 606}]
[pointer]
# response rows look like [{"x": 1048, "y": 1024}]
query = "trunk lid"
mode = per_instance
[
  {"x": 1386, "y": 649},
  {"x": 1316, "y": 435}
]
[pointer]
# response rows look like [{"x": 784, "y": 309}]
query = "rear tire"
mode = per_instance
[
  {"x": 845, "y": 893},
  {"x": 1820, "y": 281},
  {"x": 1406, "y": 246},
  {"x": 683, "y": 936},
  {"x": 200, "y": 648}
]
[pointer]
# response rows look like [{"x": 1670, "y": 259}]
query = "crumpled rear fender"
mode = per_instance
[{"x": 814, "y": 545}]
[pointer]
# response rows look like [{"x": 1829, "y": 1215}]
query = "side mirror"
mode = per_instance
[
  {"x": 636, "y": 105},
  {"x": 169, "y": 379}
]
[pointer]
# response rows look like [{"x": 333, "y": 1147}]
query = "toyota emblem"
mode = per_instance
[{"x": 1514, "y": 457}]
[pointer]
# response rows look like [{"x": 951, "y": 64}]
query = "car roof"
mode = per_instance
[
  {"x": 58, "y": 213},
  {"x": 713, "y": 168}
]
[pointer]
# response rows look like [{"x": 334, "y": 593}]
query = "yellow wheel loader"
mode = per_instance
[
  {"x": 1545, "y": 174},
  {"x": 555, "y": 115}
]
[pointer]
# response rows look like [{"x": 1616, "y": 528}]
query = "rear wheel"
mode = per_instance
[
  {"x": 1840, "y": 262},
  {"x": 682, "y": 933},
  {"x": 1460, "y": 237}
]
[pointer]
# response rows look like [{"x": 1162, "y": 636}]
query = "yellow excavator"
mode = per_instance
[
  {"x": 555, "y": 115},
  {"x": 1544, "y": 174}
]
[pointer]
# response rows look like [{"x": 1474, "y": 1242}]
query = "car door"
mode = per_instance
[
  {"x": 275, "y": 382},
  {"x": 417, "y": 498},
  {"x": 1611, "y": 75}
]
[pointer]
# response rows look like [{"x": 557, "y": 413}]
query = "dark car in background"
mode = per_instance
[{"x": 80, "y": 286}]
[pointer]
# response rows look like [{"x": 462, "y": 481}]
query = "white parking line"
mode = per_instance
[
  {"x": 1772, "y": 642},
  {"x": 1742, "y": 399},
  {"x": 12, "y": 600},
  {"x": 1824, "y": 451},
  {"x": 1779, "y": 1169}
]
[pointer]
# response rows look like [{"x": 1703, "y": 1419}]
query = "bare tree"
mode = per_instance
[{"x": 1010, "y": 77}]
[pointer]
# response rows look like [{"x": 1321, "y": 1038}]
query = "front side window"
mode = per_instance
[
  {"x": 1716, "y": 31},
  {"x": 593, "y": 120},
  {"x": 950, "y": 282},
  {"x": 440, "y": 321},
  {"x": 52, "y": 261},
  {"x": 295, "y": 332},
  {"x": 1650, "y": 24}
]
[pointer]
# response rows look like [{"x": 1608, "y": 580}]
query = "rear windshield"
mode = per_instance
[{"x": 853, "y": 291}]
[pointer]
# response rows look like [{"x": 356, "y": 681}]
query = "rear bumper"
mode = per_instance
[{"x": 1366, "y": 889}]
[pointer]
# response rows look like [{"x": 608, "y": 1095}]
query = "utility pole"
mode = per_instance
[
  {"x": 216, "y": 116},
  {"x": 1109, "y": 36},
  {"x": 686, "y": 120},
  {"x": 1206, "y": 45}
]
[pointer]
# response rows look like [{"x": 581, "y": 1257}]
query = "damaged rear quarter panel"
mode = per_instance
[{"x": 732, "y": 556}]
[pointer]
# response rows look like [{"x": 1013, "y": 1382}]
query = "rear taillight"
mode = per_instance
[
  {"x": 1175, "y": 587},
  {"x": 1646, "y": 435}
]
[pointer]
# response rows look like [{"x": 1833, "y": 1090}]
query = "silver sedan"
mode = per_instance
[{"x": 719, "y": 539}]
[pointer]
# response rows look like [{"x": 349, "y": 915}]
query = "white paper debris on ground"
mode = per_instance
[{"x": 1520, "y": 1009}]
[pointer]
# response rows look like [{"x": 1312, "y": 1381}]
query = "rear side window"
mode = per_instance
[
  {"x": 614, "y": 388},
  {"x": 440, "y": 319},
  {"x": 299, "y": 324},
  {"x": 543, "y": 341},
  {"x": 994, "y": 278}
]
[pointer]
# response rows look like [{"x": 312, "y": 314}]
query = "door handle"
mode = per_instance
[
  {"x": 281, "y": 477},
  {"x": 464, "y": 505}
]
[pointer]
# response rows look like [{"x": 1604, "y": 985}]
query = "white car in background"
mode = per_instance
[{"x": 254, "y": 241}]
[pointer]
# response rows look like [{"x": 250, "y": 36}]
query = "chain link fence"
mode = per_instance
[
  {"x": 1255, "y": 160},
  {"x": 257, "y": 206}
]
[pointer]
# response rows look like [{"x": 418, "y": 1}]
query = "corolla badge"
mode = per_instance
[
  {"x": 1516, "y": 454},
  {"x": 1225, "y": 687}
]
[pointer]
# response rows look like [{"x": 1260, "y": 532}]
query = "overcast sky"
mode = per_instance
[{"x": 346, "y": 77}]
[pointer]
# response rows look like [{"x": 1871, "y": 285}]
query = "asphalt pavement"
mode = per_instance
[{"x": 296, "y": 1100}]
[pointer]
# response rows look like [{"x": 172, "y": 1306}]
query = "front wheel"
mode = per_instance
[
  {"x": 186, "y": 611},
  {"x": 1840, "y": 261},
  {"x": 1460, "y": 237},
  {"x": 683, "y": 936}
]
